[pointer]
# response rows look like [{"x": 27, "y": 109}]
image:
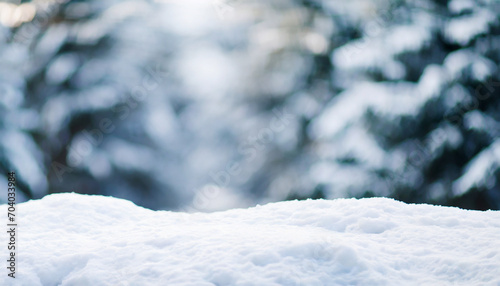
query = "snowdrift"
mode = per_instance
[{"x": 70, "y": 239}]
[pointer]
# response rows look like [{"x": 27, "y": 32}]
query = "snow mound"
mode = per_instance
[{"x": 70, "y": 239}]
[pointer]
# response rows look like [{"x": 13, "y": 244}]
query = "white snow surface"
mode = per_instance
[{"x": 70, "y": 239}]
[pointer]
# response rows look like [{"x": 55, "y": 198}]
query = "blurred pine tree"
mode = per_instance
[{"x": 175, "y": 106}]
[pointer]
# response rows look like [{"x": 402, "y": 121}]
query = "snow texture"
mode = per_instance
[
  {"x": 70, "y": 239},
  {"x": 483, "y": 163},
  {"x": 463, "y": 29}
]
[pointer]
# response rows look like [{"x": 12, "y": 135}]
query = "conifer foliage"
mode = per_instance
[{"x": 209, "y": 106}]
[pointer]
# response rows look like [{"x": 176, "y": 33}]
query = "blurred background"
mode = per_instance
[{"x": 195, "y": 105}]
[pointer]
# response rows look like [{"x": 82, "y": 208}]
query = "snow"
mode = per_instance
[
  {"x": 337, "y": 178},
  {"x": 70, "y": 239},
  {"x": 345, "y": 109},
  {"x": 476, "y": 120},
  {"x": 457, "y": 6},
  {"x": 373, "y": 51},
  {"x": 62, "y": 68},
  {"x": 457, "y": 62},
  {"x": 26, "y": 159},
  {"x": 463, "y": 29},
  {"x": 480, "y": 171},
  {"x": 446, "y": 135}
]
